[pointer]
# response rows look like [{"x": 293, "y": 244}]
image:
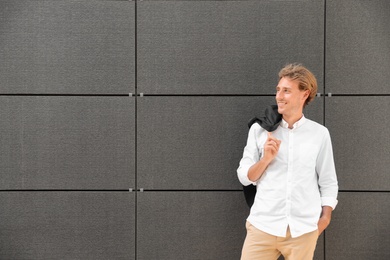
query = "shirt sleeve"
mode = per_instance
[
  {"x": 327, "y": 179},
  {"x": 250, "y": 156}
]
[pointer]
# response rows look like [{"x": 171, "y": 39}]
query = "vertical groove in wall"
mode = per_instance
[
  {"x": 324, "y": 66},
  {"x": 135, "y": 130}
]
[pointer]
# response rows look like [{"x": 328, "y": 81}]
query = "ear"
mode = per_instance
[
  {"x": 307, "y": 93},
  {"x": 305, "y": 96}
]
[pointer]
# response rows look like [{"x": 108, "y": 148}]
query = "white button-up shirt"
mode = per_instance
[{"x": 297, "y": 183}]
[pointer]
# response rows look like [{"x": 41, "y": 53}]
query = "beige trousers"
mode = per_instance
[{"x": 263, "y": 246}]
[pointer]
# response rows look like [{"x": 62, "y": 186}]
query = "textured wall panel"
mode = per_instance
[
  {"x": 319, "y": 252},
  {"x": 360, "y": 132},
  {"x": 67, "y": 142},
  {"x": 225, "y": 47},
  {"x": 196, "y": 142},
  {"x": 67, "y": 47},
  {"x": 360, "y": 227},
  {"x": 67, "y": 225},
  {"x": 190, "y": 225},
  {"x": 358, "y": 46}
]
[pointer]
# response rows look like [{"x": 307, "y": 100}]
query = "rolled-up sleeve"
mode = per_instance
[
  {"x": 250, "y": 156},
  {"x": 327, "y": 179}
]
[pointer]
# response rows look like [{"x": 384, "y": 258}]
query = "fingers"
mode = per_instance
[
  {"x": 272, "y": 140},
  {"x": 271, "y": 146},
  {"x": 322, "y": 225}
]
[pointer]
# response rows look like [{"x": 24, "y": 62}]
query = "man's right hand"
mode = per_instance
[{"x": 271, "y": 147}]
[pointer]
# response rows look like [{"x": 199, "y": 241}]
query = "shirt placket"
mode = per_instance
[{"x": 290, "y": 168}]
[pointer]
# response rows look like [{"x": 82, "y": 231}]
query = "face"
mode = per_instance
[{"x": 289, "y": 98}]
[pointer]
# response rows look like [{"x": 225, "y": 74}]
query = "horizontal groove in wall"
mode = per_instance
[
  {"x": 184, "y": 95},
  {"x": 365, "y": 191},
  {"x": 140, "y": 95},
  {"x": 359, "y": 95},
  {"x": 168, "y": 190},
  {"x": 173, "y": 190},
  {"x": 63, "y": 190},
  {"x": 102, "y": 190},
  {"x": 258, "y": 95},
  {"x": 68, "y": 95},
  {"x": 205, "y": 95}
]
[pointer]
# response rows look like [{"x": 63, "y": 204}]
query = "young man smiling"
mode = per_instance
[{"x": 294, "y": 172}]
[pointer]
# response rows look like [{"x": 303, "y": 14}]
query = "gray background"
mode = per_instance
[{"x": 122, "y": 122}]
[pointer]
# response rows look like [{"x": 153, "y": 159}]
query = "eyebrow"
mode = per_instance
[{"x": 283, "y": 87}]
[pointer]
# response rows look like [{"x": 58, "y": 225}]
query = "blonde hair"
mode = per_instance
[{"x": 306, "y": 79}]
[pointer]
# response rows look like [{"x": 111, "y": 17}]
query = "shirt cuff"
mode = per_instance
[
  {"x": 243, "y": 176},
  {"x": 329, "y": 201}
]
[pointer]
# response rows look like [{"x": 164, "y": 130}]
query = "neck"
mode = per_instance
[{"x": 292, "y": 120}]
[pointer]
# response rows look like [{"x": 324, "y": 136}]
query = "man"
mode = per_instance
[{"x": 294, "y": 174}]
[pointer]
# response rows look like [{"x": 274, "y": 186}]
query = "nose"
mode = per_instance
[{"x": 279, "y": 95}]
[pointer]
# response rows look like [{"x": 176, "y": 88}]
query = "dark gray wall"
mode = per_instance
[{"x": 123, "y": 122}]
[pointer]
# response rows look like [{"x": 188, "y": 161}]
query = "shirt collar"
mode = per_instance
[{"x": 297, "y": 124}]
